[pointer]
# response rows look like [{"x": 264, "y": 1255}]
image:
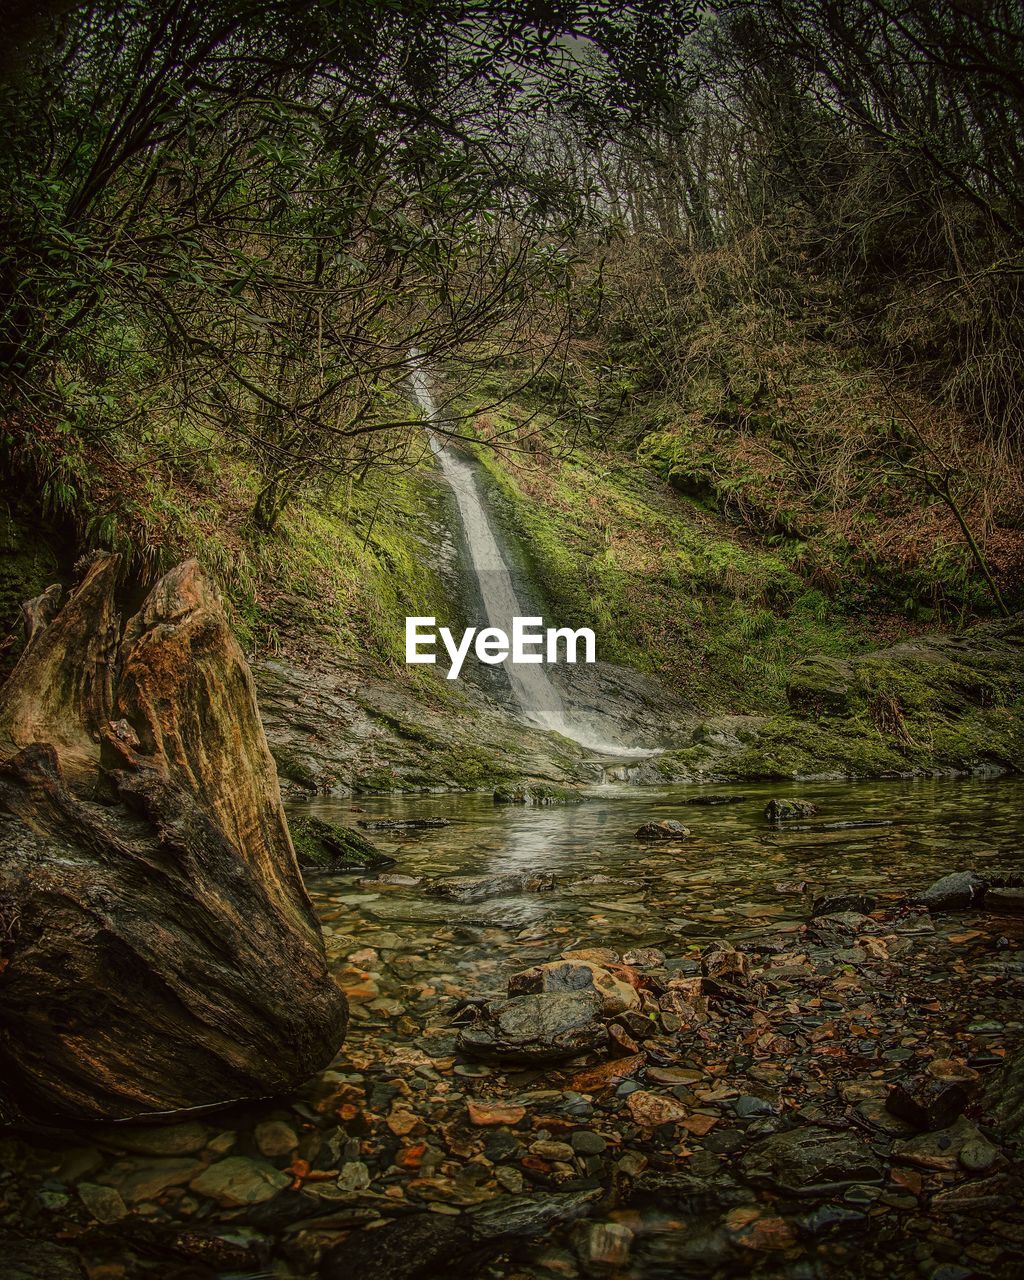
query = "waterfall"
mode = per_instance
[{"x": 539, "y": 700}]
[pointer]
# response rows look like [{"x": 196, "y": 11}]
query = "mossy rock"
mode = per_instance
[
  {"x": 822, "y": 686},
  {"x": 325, "y": 846},
  {"x": 535, "y": 793},
  {"x": 788, "y": 810},
  {"x": 294, "y": 769}
]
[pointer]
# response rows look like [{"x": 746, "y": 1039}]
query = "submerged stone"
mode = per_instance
[
  {"x": 480, "y": 888},
  {"x": 811, "y": 1161},
  {"x": 240, "y": 1181}
]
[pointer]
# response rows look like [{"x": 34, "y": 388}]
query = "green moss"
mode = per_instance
[
  {"x": 667, "y": 588},
  {"x": 535, "y": 793},
  {"x": 325, "y": 846},
  {"x": 293, "y": 768}
]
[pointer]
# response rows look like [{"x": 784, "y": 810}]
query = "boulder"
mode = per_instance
[
  {"x": 538, "y": 1028},
  {"x": 480, "y": 888},
  {"x": 830, "y": 904},
  {"x": 955, "y": 892},
  {"x": 669, "y": 829},
  {"x": 616, "y": 995},
  {"x": 810, "y": 1161},
  {"x": 536, "y": 793},
  {"x": 788, "y": 810},
  {"x": 328, "y": 847},
  {"x": 159, "y": 951}
]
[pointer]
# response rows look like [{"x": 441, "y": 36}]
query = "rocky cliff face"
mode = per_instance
[{"x": 157, "y": 947}]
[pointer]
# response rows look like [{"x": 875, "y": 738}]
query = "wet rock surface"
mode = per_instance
[
  {"x": 788, "y": 810},
  {"x": 955, "y": 892},
  {"x": 746, "y": 1132},
  {"x": 668, "y": 829}
]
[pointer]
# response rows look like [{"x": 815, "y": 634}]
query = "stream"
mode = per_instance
[
  {"x": 719, "y": 882},
  {"x": 744, "y": 1131}
]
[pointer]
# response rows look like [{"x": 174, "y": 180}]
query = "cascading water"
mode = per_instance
[{"x": 539, "y": 700}]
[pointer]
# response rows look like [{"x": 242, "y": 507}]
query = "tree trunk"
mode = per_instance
[{"x": 158, "y": 950}]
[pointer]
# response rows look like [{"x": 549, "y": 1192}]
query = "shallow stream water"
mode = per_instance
[
  {"x": 721, "y": 881},
  {"x": 695, "y": 1152}
]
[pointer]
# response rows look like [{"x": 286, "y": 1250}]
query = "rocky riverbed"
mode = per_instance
[{"x": 796, "y": 1067}]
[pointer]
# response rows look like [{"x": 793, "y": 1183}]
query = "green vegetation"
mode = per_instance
[
  {"x": 725, "y": 301},
  {"x": 669, "y": 587},
  {"x": 325, "y": 846}
]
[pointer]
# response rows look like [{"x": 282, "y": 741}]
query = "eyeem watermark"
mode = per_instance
[{"x": 530, "y": 642}]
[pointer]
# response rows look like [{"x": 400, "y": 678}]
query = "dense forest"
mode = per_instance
[
  {"x": 697, "y": 326},
  {"x": 771, "y": 250}
]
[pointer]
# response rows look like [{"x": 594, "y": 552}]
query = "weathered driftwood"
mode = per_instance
[{"x": 157, "y": 947}]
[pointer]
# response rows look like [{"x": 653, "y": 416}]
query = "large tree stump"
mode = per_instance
[{"x": 158, "y": 950}]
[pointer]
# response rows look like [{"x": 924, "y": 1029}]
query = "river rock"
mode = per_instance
[
  {"x": 925, "y": 1102},
  {"x": 167, "y": 955},
  {"x": 810, "y": 1161},
  {"x": 103, "y": 1203},
  {"x": 275, "y": 1138},
  {"x": 607, "y": 1074},
  {"x": 240, "y": 1181},
  {"x": 830, "y": 904},
  {"x": 595, "y": 955},
  {"x": 644, "y": 958},
  {"x": 483, "y": 1114},
  {"x": 953, "y": 1071},
  {"x": 1004, "y": 900},
  {"x": 669, "y": 829},
  {"x": 480, "y": 888},
  {"x": 649, "y": 1110},
  {"x": 722, "y": 962},
  {"x": 617, "y": 996},
  {"x": 954, "y": 892},
  {"x": 938, "y": 1151},
  {"x": 714, "y": 800},
  {"x": 840, "y": 928},
  {"x": 788, "y": 810},
  {"x": 538, "y": 1028}
]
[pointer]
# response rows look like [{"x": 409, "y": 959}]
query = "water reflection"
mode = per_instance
[{"x": 734, "y": 876}]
